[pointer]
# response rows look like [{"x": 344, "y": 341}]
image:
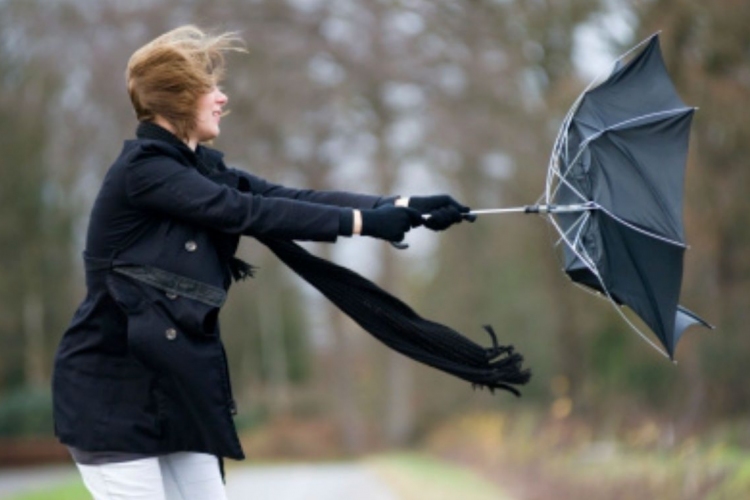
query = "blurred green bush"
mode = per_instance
[{"x": 26, "y": 412}]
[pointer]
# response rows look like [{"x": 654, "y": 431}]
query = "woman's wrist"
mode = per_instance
[
  {"x": 402, "y": 201},
  {"x": 357, "y": 222}
]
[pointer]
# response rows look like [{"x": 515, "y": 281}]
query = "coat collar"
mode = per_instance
[
  {"x": 206, "y": 160},
  {"x": 150, "y": 130}
]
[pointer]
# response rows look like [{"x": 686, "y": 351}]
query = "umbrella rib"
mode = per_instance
[
  {"x": 638, "y": 45},
  {"x": 582, "y": 254},
  {"x": 624, "y": 123},
  {"x": 652, "y": 188},
  {"x": 577, "y": 239},
  {"x": 635, "y": 328},
  {"x": 561, "y": 140},
  {"x": 592, "y": 267},
  {"x": 640, "y": 230},
  {"x": 592, "y": 137},
  {"x": 593, "y": 293},
  {"x": 578, "y": 224},
  {"x": 559, "y": 148},
  {"x": 554, "y": 171},
  {"x": 563, "y": 180},
  {"x": 568, "y": 231}
]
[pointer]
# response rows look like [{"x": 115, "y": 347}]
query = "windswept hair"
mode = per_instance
[{"x": 168, "y": 75}]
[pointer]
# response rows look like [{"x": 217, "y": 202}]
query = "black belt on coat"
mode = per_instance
[{"x": 163, "y": 280}]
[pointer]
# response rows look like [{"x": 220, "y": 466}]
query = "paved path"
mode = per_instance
[
  {"x": 342, "y": 481},
  {"x": 14, "y": 481}
]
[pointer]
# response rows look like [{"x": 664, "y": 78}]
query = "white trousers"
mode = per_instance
[{"x": 177, "y": 476}]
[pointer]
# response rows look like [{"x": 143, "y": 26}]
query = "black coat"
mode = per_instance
[{"x": 142, "y": 367}]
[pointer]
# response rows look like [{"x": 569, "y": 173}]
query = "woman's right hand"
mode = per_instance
[{"x": 389, "y": 222}]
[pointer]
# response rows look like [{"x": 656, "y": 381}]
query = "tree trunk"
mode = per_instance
[
  {"x": 33, "y": 332},
  {"x": 272, "y": 344},
  {"x": 349, "y": 413}
]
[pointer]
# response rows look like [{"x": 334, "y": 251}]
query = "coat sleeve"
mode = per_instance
[
  {"x": 162, "y": 185},
  {"x": 334, "y": 198}
]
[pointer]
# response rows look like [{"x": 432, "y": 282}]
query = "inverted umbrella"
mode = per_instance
[{"x": 614, "y": 192}]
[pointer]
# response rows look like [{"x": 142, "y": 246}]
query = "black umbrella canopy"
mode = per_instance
[{"x": 622, "y": 151}]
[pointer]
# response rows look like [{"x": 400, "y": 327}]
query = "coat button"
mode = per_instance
[
  {"x": 191, "y": 246},
  {"x": 171, "y": 333},
  {"x": 171, "y": 296}
]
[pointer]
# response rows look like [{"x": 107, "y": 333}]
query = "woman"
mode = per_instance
[{"x": 142, "y": 395}]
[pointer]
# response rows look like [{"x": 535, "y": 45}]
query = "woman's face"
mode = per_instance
[{"x": 208, "y": 116}]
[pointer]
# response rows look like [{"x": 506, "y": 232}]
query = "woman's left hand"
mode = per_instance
[{"x": 442, "y": 211}]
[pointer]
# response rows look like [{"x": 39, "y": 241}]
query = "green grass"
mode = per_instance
[
  {"x": 74, "y": 490},
  {"x": 414, "y": 476},
  {"x": 577, "y": 459}
]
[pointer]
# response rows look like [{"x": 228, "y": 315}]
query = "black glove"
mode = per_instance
[
  {"x": 443, "y": 218},
  {"x": 443, "y": 210},
  {"x": 389, "y": 222},
  {"x": 426, "y": 204}
]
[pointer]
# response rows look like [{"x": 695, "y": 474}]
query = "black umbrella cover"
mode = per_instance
[{"x": 626, "y": 150}]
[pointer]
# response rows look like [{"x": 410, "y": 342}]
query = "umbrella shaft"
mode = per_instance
[{"x": 536, "y": 209}]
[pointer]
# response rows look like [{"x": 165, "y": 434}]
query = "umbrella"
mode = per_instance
[{"x": 614, "y": 192}]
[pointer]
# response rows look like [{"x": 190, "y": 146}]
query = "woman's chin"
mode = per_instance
[{"x": 208, "y": 137}]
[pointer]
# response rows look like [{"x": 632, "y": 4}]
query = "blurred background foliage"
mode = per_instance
[{"x": 391, "y": 97}]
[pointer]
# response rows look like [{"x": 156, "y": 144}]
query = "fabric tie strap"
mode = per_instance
[
  {"x": 161, "y": 279},
  {"x": 175, "y": 284}
]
